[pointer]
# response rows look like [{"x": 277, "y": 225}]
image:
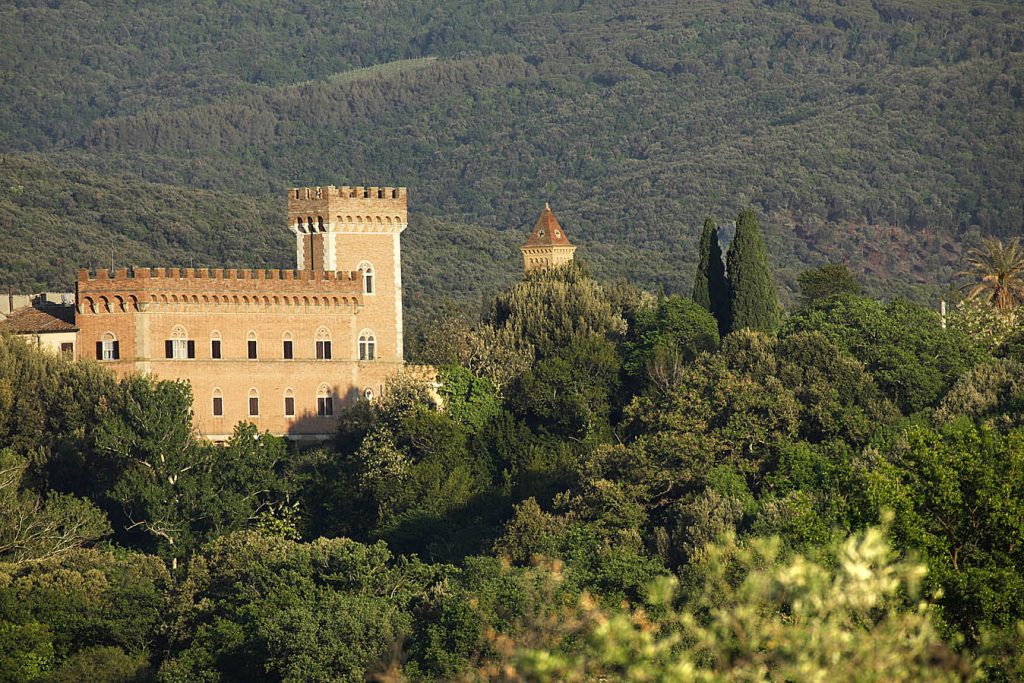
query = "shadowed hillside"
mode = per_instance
[{"x": 881, "y": 134}]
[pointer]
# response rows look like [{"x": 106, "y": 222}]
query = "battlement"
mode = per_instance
[
  {"x": 141, "y": 289},
  {"x": 346, "y": 192},
  {"x": 347, "y": 209},
  {"x": 137, "y": 274}
]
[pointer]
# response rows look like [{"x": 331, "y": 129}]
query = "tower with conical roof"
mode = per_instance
[{"x": 547, "y": 246}]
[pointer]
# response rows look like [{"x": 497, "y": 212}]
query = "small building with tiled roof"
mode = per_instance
[
  {"x": 547, "y": 246},
  {"x": 46, "y": 326}
]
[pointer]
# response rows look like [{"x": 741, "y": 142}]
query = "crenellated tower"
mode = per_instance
[{"x": 356, "y": 229}]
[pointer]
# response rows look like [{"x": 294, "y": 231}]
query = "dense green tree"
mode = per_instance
[
  {"x": 958, "y": 495},
  {"x": 33, "y": 526},
  {"x": 992, "y": 393},
  {"x": 174, "y": 491},
  {"x": 826, "y": 281},
  {"x": 665, "y": 337},
  {"x": 753, "y": 303},
  {"x": 838, "y": 619},
  {"x": 902, "y": 345},
  {"x": 257, "y": 607},
  {"x": 550, "y": 309},
  {"x": 50, "y": 410},
  {"x": 710, "y": 286},
  {"x": 570, "y": 393},
  {"x": 91, "y": 610},
  {"x": 468, "y": 399}
]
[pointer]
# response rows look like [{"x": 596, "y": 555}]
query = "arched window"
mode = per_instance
[
  {"x": 218, "y": 403},
  {"x": 215, "y": 344},
  {"x": 324, "y": 401},
  {"x": 289, "y": 403},
  {"x": 320, "y": 224},
  {"x": 251, "y": 343},
  {"x": 287, "y": 349},
  {"x": 299, "y": 226},
  {"x": 108, "y": 348},
  {"x": 366, "y": 269},
  {"x": 309, "y": 224},
  {"x": 323, "y": 344},
  {"x": 254, "y": 403},
  {"x": 367, "y": 345},
  {"x": 179, "y": 346}
]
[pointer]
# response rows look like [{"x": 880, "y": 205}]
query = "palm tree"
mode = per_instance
[{"x": 997, "y": 271}]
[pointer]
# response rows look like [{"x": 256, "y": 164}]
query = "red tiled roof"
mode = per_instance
[
  {"x": 547, "y": 231},
  {"x": 30, "y": 320}
]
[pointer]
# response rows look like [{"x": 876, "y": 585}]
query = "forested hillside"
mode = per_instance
[{"x": 881, "y": 134}]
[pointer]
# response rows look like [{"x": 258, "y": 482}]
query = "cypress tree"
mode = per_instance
[
  {"x": 754, "y": 304},
  {"x": 710, "y": 288}
]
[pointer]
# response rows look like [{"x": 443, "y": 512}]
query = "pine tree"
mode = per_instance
[
  {"x": 710, "y": 288},
  {"x": 754, "y": 304}
]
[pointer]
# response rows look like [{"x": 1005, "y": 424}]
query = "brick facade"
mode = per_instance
[{"x": 347, "y": 286}]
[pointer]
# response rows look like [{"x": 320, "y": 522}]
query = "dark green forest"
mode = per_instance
[
  {"x": 603, "y": 484},
  {"x": 885, "y": 135}
]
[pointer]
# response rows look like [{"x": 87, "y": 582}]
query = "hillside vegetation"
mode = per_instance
[{"x": 883, "y": 134}]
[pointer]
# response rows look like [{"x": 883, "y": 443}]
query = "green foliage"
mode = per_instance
[
  {"x": 710, "y": 286},
  {"x": 664, "y": 338},
  {"x": 91, "y": 611},
  {"x": 828, "y": 280},
  {"x": 991, "y": 392},
  {"x": 102, "y": 664},
  {"x": 753, "y": 303},
  {"x": 751, "y": 613},
  {"x": 901, "y": 344},
  {"x": 569, "y": 393},
  {"x": 469, "y": 399},
  {"x": 257, "y": 607},
  {"x": 33, "y": 527},
  {"x": 26, "y": 652},
  {"x": 588, "y": 439},
  {"x": 50, "y": 409},
  {"x": 957, "y": 495},
  {"x": 550, "y": 309},
  {"x": 175, "y": 490}
]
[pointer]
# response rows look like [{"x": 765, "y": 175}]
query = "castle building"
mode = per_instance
[
  {"x": 282, "y": 349},
  {"x": 547, "y": 246}
]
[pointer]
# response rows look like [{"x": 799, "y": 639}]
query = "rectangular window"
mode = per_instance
[
  {"x": 215, "y": 348},
  {"x": 107, "y": 350},
  {"x": 367, "y": 349},
  {"x": 325, "y": 406},
  {"x": 252, "y": 349},
  {"x": 323, "y": 350},
  {"x": 218, "y": 406},
  {"x": 254, "y": 406},
  {"x": 179, "y": 348},
  {"x": 289, "y": 406},
  {"x": 288, "y": 349},
  {"x": 67, "y": 348}
]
